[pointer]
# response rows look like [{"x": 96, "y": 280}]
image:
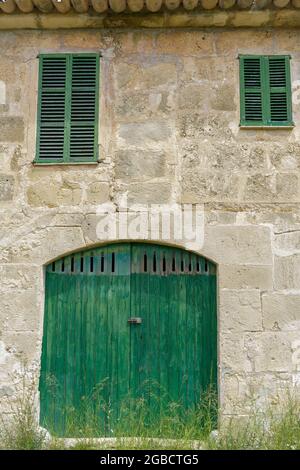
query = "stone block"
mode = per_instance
[
  {"x": 281, "y": 311},
  {"x": 288, "y": 243},
  {"x": 238, "y": 245},
  {"x": 270, "y": 187},
  {"x": 149, "y": 193},
  {"x": 245, "y": 277},
  {"x": 287, "y": 272},
  {"x": 204, "y": 186},
  {"x": 240, "y": 310},
  {"x": 233, "y": 353},
  {"x": 54, "y": 192},
  {"x": 145, "y": 76},
  {"x": 272, "y": 351},
  {"x": 138, "y": 166},
  {"x": 144, "y": 135}
]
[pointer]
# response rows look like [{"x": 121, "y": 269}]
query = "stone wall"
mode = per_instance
[{"x": 169, "y": 132}]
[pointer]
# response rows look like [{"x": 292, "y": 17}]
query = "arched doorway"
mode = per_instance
[{"x": 126, "y": 320}]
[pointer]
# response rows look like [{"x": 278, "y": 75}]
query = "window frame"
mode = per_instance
[
  {"x": 265, "y": 90},
  {"x": 68, "y": 92}
]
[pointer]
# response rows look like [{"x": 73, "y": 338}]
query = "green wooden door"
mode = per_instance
[{"x": 125, "y": 323}]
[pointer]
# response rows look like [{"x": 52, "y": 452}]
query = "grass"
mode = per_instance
[
  {"x": 19, "y": 429},
  {"x": 171, "y": 428},
  {"x": 269, "y": 430}
]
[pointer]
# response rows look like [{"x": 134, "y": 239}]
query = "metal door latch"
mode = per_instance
[{"x": 135, "y": 320}]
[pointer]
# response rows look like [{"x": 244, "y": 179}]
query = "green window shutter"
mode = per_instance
[
  {"x": 265, "y": 91},
  {"x": 84, "y": 97},
  {"x": 52, "y": 108},
  {"x": 68, "y": 108},
  {"x": 280, "y": 90},
  {"x": 251, "y": 90}
]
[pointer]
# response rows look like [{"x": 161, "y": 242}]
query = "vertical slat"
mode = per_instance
[
  {"x": 100, "y": 323},
  {"x": 190, "y": 340},
  {"x": 121, "y": 305}
]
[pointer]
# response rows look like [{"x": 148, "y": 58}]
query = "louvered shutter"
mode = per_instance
[
  {"x": 83, "y": 120},
  {"x": 279, "y": 90},
  {"x": 251, "y": 90},
  {"x": 52, "y": 108},
  {"x": 68, "y": 108},
  {"x": 265, "y": 91}
]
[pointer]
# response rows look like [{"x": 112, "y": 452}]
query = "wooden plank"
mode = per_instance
[{"x": 100, "y": 353}]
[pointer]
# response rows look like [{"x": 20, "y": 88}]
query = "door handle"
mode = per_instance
[{"x": 135, "y": 320}]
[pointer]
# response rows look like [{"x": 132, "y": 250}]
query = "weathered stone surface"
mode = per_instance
[
  {"x": 20, "y": 310},
  {"x": 285, "y": 157},
  {"x": 144, "y": 135},
  {"x": 131, "y": 166},
  {"x": 6, "y": 187},
  {"x": 272, "y": 351},
  {"x": 247, "y": 393},
  {"x": 246, "y": 277},
  {"x": 229, "y": 156},
  {"x": 195, "y": 124},
  {"x": 130, "y": 106},
  {"x": 224, "y": 97},
  {"x": 240, "y": 310},
  {"x": 280, "y": 187},
  {"x": 193, "y": 96},
  {"x": 12, "y": 129},
  {"x": 186, "y": 44},
  {"x": 203, "y": 186},
  {"x": 281, "y": 311},
  {"x": 287, "y": 272},
  {"x": 135, "y": 76},
  {"x": 233, "y": 351},
  {"x": 287, "y": 243},
  {"x": 53, "y": 193},
  {"x": 149, "y": 193},
  {"x": 97, "y": 193},
  {"x": 232, "y": 45},
  {"x": 238, "y": 245}
]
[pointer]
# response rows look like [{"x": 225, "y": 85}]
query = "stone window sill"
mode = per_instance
[
  {"x": 63, "y": 163},
  {"x": 268, "y": 127}
]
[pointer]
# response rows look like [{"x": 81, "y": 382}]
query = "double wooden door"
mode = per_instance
[{"x": 126, "y": 322}]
